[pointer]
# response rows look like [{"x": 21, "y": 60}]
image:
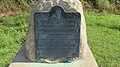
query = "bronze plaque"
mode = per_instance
[{"x": 57, "y": 33}]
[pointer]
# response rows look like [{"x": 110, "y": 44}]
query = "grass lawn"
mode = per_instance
[
  {"x": 12, "y": 36},
  {"x": 103, "y": 31}
]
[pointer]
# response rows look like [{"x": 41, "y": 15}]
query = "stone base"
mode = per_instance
[{"x": 21, "y": 61}]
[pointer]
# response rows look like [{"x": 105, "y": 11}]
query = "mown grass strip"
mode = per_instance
[{"x": 103, "y": 32}]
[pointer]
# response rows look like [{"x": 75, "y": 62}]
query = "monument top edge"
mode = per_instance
[
  {"x": 57, "y": 6},
  {"x": 46, "y": 5}
]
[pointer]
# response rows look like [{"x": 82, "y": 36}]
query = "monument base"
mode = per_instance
[{"x": 21, "y": 61}]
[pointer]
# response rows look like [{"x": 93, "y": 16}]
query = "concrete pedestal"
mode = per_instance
[{"x": 20, "y": 60}]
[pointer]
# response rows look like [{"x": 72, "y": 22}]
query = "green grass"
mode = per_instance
[
  {"x": 103, "y": 31},
  {"x": 12, "y": 36}
]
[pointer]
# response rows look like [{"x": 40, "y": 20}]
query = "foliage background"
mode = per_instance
[{"x": 25, "y": 5}]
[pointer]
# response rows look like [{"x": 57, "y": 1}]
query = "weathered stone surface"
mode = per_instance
[{"x": 45, "y": 6}]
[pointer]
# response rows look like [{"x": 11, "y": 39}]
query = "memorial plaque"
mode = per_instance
[{"x": 57, "y": 33}]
